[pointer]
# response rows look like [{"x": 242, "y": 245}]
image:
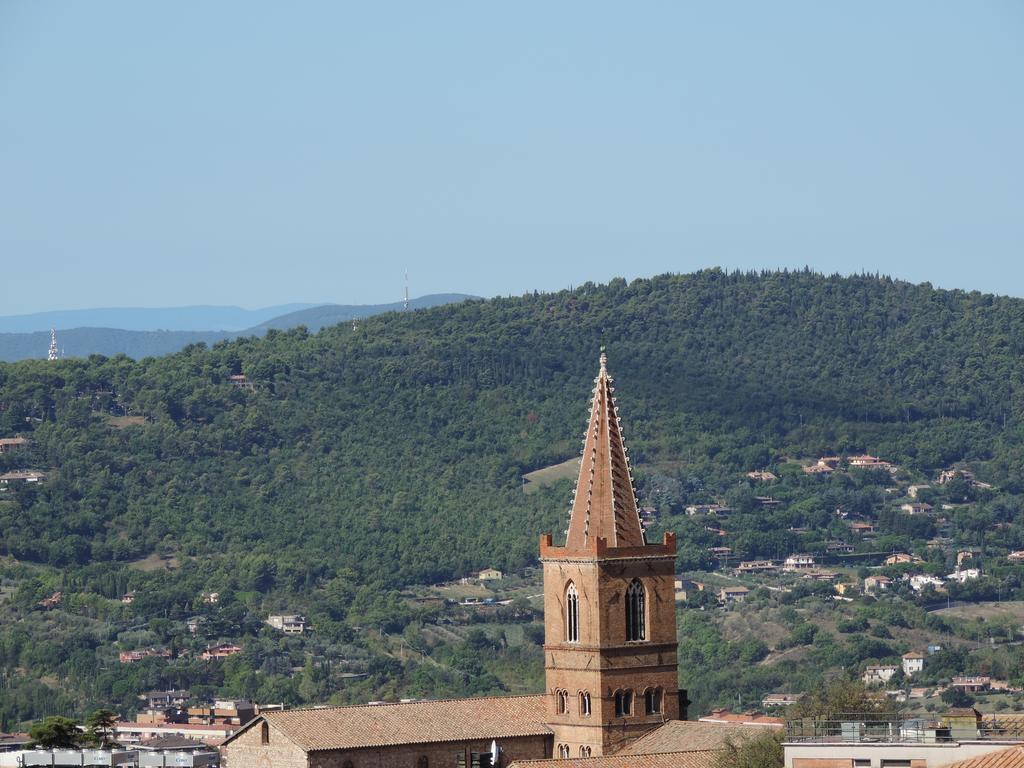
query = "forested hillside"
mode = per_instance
[{"x": 365, "y": 460}]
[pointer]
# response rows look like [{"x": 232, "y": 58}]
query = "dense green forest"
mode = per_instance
[{"x": 364, "y": 460}]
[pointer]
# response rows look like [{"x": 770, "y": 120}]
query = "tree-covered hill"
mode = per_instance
[
  {"x": 397, "y": 449},
  {"x": 363, "y": 460}
]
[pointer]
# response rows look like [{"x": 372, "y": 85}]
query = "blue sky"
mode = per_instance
[{"x": 168, "y": 153}]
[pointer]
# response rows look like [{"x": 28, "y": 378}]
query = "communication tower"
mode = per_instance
[{"x": 53, "y": 354}]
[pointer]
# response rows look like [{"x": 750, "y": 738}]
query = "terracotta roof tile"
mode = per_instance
[
  {"x": 692, "y": 759},
  {"x": 1013, "y": 757},
  {"x": 689, "y": 735},
  {"x": 421, "y": 722}
]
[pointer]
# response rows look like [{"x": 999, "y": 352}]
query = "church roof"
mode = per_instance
[
  {"x": 420, "y": 722},
  {"x": 604, "y": 505},
  {"x": 689, "y": 759},
  {"x": 686, "y": 735}
]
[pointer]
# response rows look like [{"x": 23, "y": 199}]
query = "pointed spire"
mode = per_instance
[{"x": 604, "y": 505}]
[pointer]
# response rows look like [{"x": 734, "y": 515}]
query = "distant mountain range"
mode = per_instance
[{"x": 138, "y": 332}]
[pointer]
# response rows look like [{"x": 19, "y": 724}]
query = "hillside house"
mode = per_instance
[
  {"x": 913, "y": 490},
  {"x": 917, "y": 508},
  {"x": 964, "y": 575},
  {"x": 720, "y": 552},
  {"x": 490, "y": 574},
  {"x": 128, "y": 598},
  {"x": 838, "y": 547},
  {"x": 29, "y": 476},
  {"x": 211, "y": 598},
  {"x": 1016, "y": 557},
  {"x": 716, "y": 510},
  {"x": 767, "y": 501},
  {"x": 878, "y": 674},
  {"x": 780, "y": 699},
  {"x": 921, "y": 581},
  {"x": 220, "y": 651},
  {"x": 762, "y": 476},
  {"x": 756, "y": 566},
  {"x": 290, "y": 624},
  {"x": 11, "y": 444},
  {"x": 863, "y": 528},
  {"x": 241, "y": 381},
  {"x": 972, "y": 684},
  {"x": 874, "y": 584},
  {"x": 166, "y": 699},
  {"x": 684, "y": 588},
  {"x": 729, "y": 595},
  {"x": 819, "y": 468},
  {"x": 798, "y": 562},
  {"x": 870, "y": 462},
  {"x": 130, "y": 657},
  {"x": 223, "y": 712},
  {"x": 192, "y": 624},
  {"x": 901, "y": 558},
  {"x": 913, "y": 662},
  {"x": 963, "y": 556},
  {"x": 821, "y": 575}
]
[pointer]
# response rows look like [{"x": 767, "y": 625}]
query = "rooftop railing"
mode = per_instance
[{"x": 889, "y": 728}]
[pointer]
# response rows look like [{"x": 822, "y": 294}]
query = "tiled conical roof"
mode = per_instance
[{"x": 604, "y": 505}]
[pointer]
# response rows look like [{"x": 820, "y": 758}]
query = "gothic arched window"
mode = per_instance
[
  {"x": 572, "y": 614},
  {"x": 636, "y": 627},
  {"x": 561, "y": 701},
  {"x": 563, "y": 750},
  {"x": 623, "y": 703},
  {"x": 584, "y": 751},
  {"x": 584, "y": 703},
  {"x": 652, "y": 700}
]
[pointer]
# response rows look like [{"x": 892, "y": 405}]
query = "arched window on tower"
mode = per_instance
[
  {"x": 572, "y": 614},
  {"x": 584, "y": 704},
  {"x": 563, "y": 750},
  {"x": 584, "y": 751},
  {"x": 652, "y": 701},
  {"x": 636, "y": 626},
  {"x": 623, "y": 703},
  {"x": 562, "y": 701}
]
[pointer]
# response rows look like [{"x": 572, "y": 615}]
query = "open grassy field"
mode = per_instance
[
  {"x": 1013, "y": 609},
  {"x": 545, "y": 476}
]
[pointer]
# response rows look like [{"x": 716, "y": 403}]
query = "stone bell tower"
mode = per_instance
[{"x": 609, "y": 604}]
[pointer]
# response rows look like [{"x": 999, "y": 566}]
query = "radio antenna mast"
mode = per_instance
[
  {"x": 53, "y": 354},
  {"x": 406, "y": 290}
]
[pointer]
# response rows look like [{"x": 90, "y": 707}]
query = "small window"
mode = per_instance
[
  {"x": 862, "y": 763},
  {"x": 895, "y": 764},
  {"x": 584, "y": 751},
  {"x": 584, "y": 704},
  {"x": 623, "y": 703},
  {"x": 561, "y": 702},
  {"x": 563, "y": 750},
  {"x": 264, "y": 733},
  {"x": 572, "y": 614},
  {"x": 652, "y": 701}
]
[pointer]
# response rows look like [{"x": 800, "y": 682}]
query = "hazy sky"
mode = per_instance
[{"x": 166, "y": 153}]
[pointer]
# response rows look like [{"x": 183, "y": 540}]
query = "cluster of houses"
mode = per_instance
[
  {"x": 212, "y": 652},
  {"x": 919, "y": 581},
  {"x": 829, "y": 464}
]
